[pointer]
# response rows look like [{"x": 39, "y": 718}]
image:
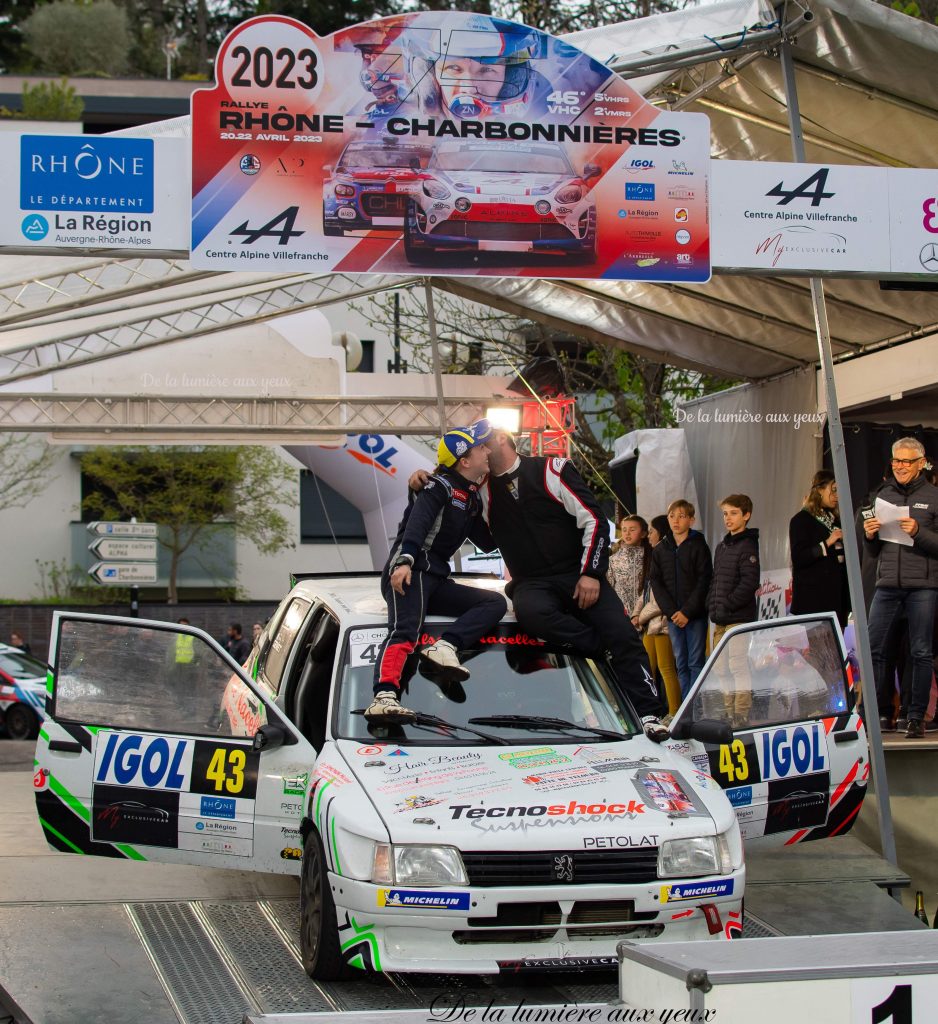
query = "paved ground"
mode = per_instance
[{"x": 16, "y": 754}]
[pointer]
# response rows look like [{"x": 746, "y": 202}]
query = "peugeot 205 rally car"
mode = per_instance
[
  {"x": 363, "y": 190},
  {"x": 503, "y": 197},
  {"x": 22, "y": 693},
  {"x": 521, "y": 821}
]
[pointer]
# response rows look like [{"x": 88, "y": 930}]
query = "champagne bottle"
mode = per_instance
[{"x": 920, "y": 907}]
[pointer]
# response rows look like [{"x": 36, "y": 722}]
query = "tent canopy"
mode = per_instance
[{"x": 864, "y": 77}]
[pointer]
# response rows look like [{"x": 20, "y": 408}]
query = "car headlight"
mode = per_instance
[
  {"x": 344, "y": 190},
  {"x": 570, "y": 194},
  {"x": 435, "y": 190},
  {"x": 417, "y": 865},
  {"x": 702, "y": 855}
]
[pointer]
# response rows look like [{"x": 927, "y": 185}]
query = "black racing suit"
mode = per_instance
[
  {"x": 433, "y": 528},
  {"x": 550, "y": 531}
]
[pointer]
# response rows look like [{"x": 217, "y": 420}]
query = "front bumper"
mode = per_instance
[{"x": 530, "y": 928}]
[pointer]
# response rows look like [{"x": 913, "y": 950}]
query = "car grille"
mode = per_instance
[
  {"x": 384, "y": 204},
  {"x": 622, "y": 867},
  {"x": 502, "y": 232},
  {"x": 540, "y": 922}
]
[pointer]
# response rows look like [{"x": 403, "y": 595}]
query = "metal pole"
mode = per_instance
[
  {"x": 838, "y": 452},
  {"x": 435, "y": 349}
]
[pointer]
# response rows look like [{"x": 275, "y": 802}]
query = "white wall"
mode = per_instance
[{"x": 40, "y": 531}]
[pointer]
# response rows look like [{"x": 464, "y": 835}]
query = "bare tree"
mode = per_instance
[
  {"x": 25, "y": 461},
  {"x": 618, "y": 391}
]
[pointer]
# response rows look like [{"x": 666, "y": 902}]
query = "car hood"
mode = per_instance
[
  {"x": 541, "y": 796},
  {"x": 503, "y": 183}
]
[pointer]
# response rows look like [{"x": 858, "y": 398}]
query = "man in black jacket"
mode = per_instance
[
  {"x": 906, "y": 578},
  {"x": 415, "y": 581},
  {"x": 681, "y": 568},
  {"x": 732, "y": 599}
]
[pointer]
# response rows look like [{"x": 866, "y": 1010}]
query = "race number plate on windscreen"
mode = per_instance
[{"x": 364, "y": 645}]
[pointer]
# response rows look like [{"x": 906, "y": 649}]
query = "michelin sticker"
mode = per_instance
[
  {"x": 435, "y": 900},
  {"x": 696, "y": 890}
]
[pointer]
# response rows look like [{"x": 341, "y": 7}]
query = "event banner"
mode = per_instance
[
  {"x": 913, "y": 206},
  {"x": 781, "y": 216},
  {"x": 451, "y": 142},
  {"x": 92, "y": 193}
]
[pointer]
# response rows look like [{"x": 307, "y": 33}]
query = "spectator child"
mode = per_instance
[
  {"x": 680, "y": 578},
  {"x": 732, "y": 598}
]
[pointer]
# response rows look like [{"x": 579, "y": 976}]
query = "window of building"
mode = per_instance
[{"x": 325, "y": 514}]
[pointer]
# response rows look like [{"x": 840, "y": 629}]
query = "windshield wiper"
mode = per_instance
[
  {"x": 433, "y": 721},
  {"x": 543, "y": 722}
]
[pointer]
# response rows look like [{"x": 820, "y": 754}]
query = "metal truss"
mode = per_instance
[
  {"x": 190, "y": 418},
  {"x": 90, "y": 283},
  {"x": 247, "y": 306}
]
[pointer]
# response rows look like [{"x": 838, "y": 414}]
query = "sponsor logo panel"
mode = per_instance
[
  {"x": 229, "y": 846},
  {"x": 434, "y": 899},
  {"x": 682, "y": 891},
  {"x": 144, "y": 817}
]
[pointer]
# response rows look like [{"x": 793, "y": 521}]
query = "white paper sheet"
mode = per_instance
[{"x": 889, "y": 516}]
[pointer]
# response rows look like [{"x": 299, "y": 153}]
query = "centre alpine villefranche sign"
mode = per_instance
[{"x": 450, "y": 142}]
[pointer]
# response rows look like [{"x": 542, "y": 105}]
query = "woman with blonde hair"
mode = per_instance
[
  {"x": 818, "y": 568},
  {"x": 630, "y": 574}
]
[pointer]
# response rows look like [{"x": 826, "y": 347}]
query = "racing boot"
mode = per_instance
[
  {"x": 440, "y": 662},
  {"x": 654, "y": 730},
  {"x": 386, "y": 707}
]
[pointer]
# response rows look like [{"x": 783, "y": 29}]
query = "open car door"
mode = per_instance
[
  {"x": 797, "y": 764},
  {"x": 158, "y": 747}
]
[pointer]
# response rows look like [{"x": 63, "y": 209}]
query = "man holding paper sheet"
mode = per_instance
[{"x": 901, "y": 530}]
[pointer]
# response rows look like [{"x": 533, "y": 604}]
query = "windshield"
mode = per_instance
[
  {"x": 379, "y": 156},
  {"x": 508, "y": 161},
  {"x": 511, "y": 674},
  {"x": 21, "y": 666}
]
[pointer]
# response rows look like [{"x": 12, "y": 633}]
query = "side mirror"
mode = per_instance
[
  {"x": 591, "y": 171},
  {"x": 414, "y": 163},
  {"x": 706, "y": 730},
  {"x": 269, "y": 737}
]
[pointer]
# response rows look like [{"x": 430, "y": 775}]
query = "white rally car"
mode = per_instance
[
  {"x": 501, "y": 197},
  {"x": 523, "y": 821}
]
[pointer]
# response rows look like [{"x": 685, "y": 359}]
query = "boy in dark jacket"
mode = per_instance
[
  {"x": 415, "y": 581},
  {"x": 681, "y": 570},
  {"x": 732, "y": 599}
]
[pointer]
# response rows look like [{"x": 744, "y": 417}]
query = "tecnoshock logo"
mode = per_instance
[{"x": 571, "y": 810}]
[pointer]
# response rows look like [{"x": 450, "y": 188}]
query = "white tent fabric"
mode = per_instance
[{"x": 865, "y": 77}]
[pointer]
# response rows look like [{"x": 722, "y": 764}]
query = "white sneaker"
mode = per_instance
[
  {"x": 387, "y": 707},
  {"x": 654, "y": 730},
  {"x": 444, "y": 662}
]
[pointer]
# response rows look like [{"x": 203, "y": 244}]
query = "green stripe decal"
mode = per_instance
[
  {"x": 130, "y": 852},
  {"x": 72, "y": 802},
  {"x": 322, "y": 790},
  {"x": 364, "y": 935},
  {"x": 49, "y": 680},
  {"x": 335, "y": 850},
  {"x": 58, "y": 835},
  {"x": 43, "y": 735}
]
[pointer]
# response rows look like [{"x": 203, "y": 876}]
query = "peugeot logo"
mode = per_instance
[
  {"x": 928, "y": 257},
  {"x": 563, "y": 868}
]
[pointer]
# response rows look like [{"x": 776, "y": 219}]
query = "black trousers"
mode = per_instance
[
  {"x": 476, "y": 612},
  {"x": 546, "y": 608}
]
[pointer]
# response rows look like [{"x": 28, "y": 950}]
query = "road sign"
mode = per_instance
[
  {"x": 123, "y": 572},
  {"x": 117, "y": 550},
  {"x": 103, "y": 529}
]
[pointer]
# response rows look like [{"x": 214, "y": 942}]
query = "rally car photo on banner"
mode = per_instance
[
  {"x": 459, "y": 142},
  {"x": 522, "y": 821}
]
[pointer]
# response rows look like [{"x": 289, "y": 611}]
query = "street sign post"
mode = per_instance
[
  {"x": 101, "y": 528},
  {"x": 126, "y": 557},
  {"x": 111, "y": 549},
  {"x": 123, "y": 572}
]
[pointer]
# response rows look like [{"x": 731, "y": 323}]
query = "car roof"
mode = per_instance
[{"x": 355, "y": 598}]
